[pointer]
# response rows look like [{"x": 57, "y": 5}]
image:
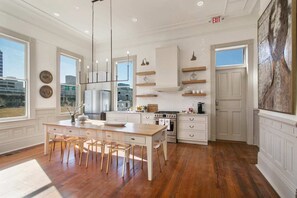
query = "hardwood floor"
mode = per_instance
[{"x": 221, "y": 169}]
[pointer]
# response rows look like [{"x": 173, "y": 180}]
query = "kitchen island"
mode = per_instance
[{"x": 131, "y": 133}]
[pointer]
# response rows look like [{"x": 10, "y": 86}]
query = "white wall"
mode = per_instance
[
  {"x": 21, "y": 134},
  {"x": 198, "y": 39}
]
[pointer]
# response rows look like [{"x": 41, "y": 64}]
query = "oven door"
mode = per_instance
[{"x": 171, "y": 130}]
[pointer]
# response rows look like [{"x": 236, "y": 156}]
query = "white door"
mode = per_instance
[{"x": 231, "y": 104}]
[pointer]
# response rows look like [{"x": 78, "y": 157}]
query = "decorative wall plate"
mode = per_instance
[
  {"x": 46, "y": 91},
  {"x": 46, "y": 77}
]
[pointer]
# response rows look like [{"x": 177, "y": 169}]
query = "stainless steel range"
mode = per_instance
[{"x": 168, "y": 118}]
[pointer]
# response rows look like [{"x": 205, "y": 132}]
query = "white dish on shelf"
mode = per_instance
[{"x": 114, "y": 123}]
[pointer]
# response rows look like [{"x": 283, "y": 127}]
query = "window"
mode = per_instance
[
  {"x": 124, "y": 89},
  {"x": 234, "y": 56},
  {"x": 69, "y": 93},
  {"x": 13, "y": 77}
]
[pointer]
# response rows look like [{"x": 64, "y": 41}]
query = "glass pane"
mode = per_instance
[
  {"x": 12, "y": 70},
  {"x": 68, "y": 82},
  {"x": 12, "y": 98},
  {"x": 230, "y": 57},
  {"x": 125, "y": 88},
  {"x": 12, "y": 58}
]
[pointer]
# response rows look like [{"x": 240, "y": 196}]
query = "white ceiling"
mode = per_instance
[{"x": 153, "y": 15}]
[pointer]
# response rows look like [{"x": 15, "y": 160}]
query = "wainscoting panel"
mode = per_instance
[
  {"x": 16, "y": 135},
  {"x": 277, "y": 158}
]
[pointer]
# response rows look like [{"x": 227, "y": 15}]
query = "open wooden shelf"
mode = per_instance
[
  {"x": 193, "y": 69},
  {"x": 146, "y": 95},
  {"x": 199, "y": 94},
  {"x": 145, "y": 84},
  {"x": 193, "y": 81},
  {"x": 146, "y": 73}
]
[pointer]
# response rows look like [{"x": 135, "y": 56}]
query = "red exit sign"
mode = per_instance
[{"x": 216, "y": 19}]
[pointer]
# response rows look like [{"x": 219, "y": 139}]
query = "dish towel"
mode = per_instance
[
  {"x": 161, "y": 121},
  {"x": 167, "y": 123}
]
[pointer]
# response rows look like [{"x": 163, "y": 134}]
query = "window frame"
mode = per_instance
[
  {"x": 245, "y": 56},
  {"x": 79, "y": 66},
  {"x": 133, "y": 59},
  {"x": 28, "y": 72}
]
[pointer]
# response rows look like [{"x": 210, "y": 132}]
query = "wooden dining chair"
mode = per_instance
[
  {"x": 157, "y": 145},
  {"x": 57, "y": 138}
]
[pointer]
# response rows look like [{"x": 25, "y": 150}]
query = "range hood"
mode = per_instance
[{"x": 167, "y": 79}]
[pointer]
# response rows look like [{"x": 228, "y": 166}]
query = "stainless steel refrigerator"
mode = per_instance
[{"x": 97, "y": 103}]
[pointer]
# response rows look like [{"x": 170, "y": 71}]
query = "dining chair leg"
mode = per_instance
[
  {"x": 142, "y": 147},
  {"x": 62, "y": 152},
  {"x": 159, "y": 160},
  {"x": 87, "y": 160},
  {"x": 102, "y": 156},
  {"x": 51, "y": 151},
  {"x": 81, "y": 152},
  {"x": 92, "y": 150},
  {"x": 69, "y": 146},
  {"x": 108, "y": 160},
  {"x": 54, "y": 143}
]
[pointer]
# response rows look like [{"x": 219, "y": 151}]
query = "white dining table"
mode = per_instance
[{"x": 130, "y": 133}]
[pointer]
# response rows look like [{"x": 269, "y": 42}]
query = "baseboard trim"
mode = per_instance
[{"x": 282, "y": 185}]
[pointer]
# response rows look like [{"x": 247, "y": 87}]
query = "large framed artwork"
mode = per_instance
[{"x": 277, "y": 57}]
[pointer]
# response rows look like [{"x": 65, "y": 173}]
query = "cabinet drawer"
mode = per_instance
[
  {"x": 135, "y": 139},
  {"x": 192, "y": 126},
  {"x": 189, "y": 135},
  {"x": 193, "y": 118},
  {"x": 72, "y": 132},
  {"x": 90, "y": 134},
  {"x": 55, "y": 129}
]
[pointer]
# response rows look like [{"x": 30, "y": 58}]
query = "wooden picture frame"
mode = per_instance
[{"x": 277, "y": 57}]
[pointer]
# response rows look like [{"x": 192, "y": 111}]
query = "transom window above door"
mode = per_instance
[{"x": 231, "y": 56}]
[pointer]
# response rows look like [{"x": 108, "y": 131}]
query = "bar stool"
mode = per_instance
[{"x": 78, "y": 141}]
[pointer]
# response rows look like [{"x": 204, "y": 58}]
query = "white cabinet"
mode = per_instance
[
  {"x": 123, "y": 117},
  {"x": 148, "y": 118},
  {"x": 192, "y": 128}
]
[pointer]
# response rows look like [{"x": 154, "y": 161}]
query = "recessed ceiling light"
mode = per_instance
[
  {"x": 200, "y": 3},
  {"x": 56, "y": 14},
  {"x": 87, "y": 31},
  {"x": 134, "y": 20},
  {"x": 76, "y": 7}
]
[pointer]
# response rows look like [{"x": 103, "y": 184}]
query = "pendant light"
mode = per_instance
[{"x": 91, "y": 80}]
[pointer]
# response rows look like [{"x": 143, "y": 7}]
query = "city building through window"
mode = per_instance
[
  {"x": 125, "y": 89},
  {"x": 13, "y": 77},
  {"x": 68, "y": 82}
]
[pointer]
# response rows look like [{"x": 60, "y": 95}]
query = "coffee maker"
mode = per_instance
[{"x": 201, "y": 108}]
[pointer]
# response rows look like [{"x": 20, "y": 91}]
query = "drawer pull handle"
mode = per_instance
[
  {"x": 191, "y": 119},
  {"x": 147, "y": 117},
  {"x": 191, "y": 126},
  {"x": 54, "y": 129},
  {"x": 132, "y": 138},
  {"x": 191, "y": 135},
  {"x": 70, "y": 131},
  {"x": 108, "y": 136}
]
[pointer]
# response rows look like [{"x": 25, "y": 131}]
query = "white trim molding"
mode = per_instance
[{"x": 277, "y": 158}]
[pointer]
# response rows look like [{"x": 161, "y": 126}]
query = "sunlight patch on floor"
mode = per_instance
[{"x": 26, "y": 180}]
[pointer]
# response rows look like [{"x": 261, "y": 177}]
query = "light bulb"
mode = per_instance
[{"x": 97, "y": 61}]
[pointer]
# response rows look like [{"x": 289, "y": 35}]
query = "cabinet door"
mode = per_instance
[
  {"x": 134, "y": 118},
  {"x": 116, "y": 117},
  {"x": 148, "y": 118}
]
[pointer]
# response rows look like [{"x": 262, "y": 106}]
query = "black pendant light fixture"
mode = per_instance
[{"x": 113, "y": 78}]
